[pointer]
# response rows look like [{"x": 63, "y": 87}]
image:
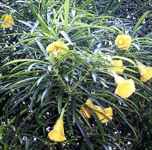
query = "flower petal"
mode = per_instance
[
  {"x": 104, "y": 114},
  {"x": 145, "y": 72},
  {"x": 125, "y": 88},
  {"x": 57, "y": 134},
  {"x": 117, "y": 66},
  {"x": 123, "y": 41}
]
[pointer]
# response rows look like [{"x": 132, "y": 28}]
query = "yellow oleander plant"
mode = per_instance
[{"x": 81, "y": 55}]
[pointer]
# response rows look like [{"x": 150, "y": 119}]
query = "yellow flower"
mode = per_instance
[
  {"x": 145, "y": 72},
  {"x": 123, "y": 41},
  {"x": 103, "y": 114},
  {"x": 86, "y": 109},
  {"x": 125, "y": 87},
  {"x": 7, "y": 21},
  {"x": 117, "y": 66},
  {"x": 56, "y": 48},
  {"x": 57, "y": 134}
]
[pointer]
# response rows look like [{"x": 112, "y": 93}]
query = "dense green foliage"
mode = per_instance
[{"x": 34, "y": 87}]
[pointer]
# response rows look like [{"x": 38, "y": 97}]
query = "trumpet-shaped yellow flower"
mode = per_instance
[
  {"x": 86, "y": 109},
  {"x": 123, "y": 41},
  {"x": 7, "y": 21},
  {"x": 57, "y": 48},
  {"x": 57, "y": 134},
  {"x": 125, "y": 87},
  {"x": 145, "y": 72},
  {"x": 103, "y": 114},
  {"x": 117, "y": 66}
]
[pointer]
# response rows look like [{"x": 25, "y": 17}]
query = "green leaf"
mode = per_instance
[
  {"x": 44, "y": 26},
  {"x": 66, "y": 12},
  {"x": 140, "y": 21},
  {"x": 23, "y": 60}
]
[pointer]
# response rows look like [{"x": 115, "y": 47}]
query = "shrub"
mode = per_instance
[{"x": 40, "y": 84}]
